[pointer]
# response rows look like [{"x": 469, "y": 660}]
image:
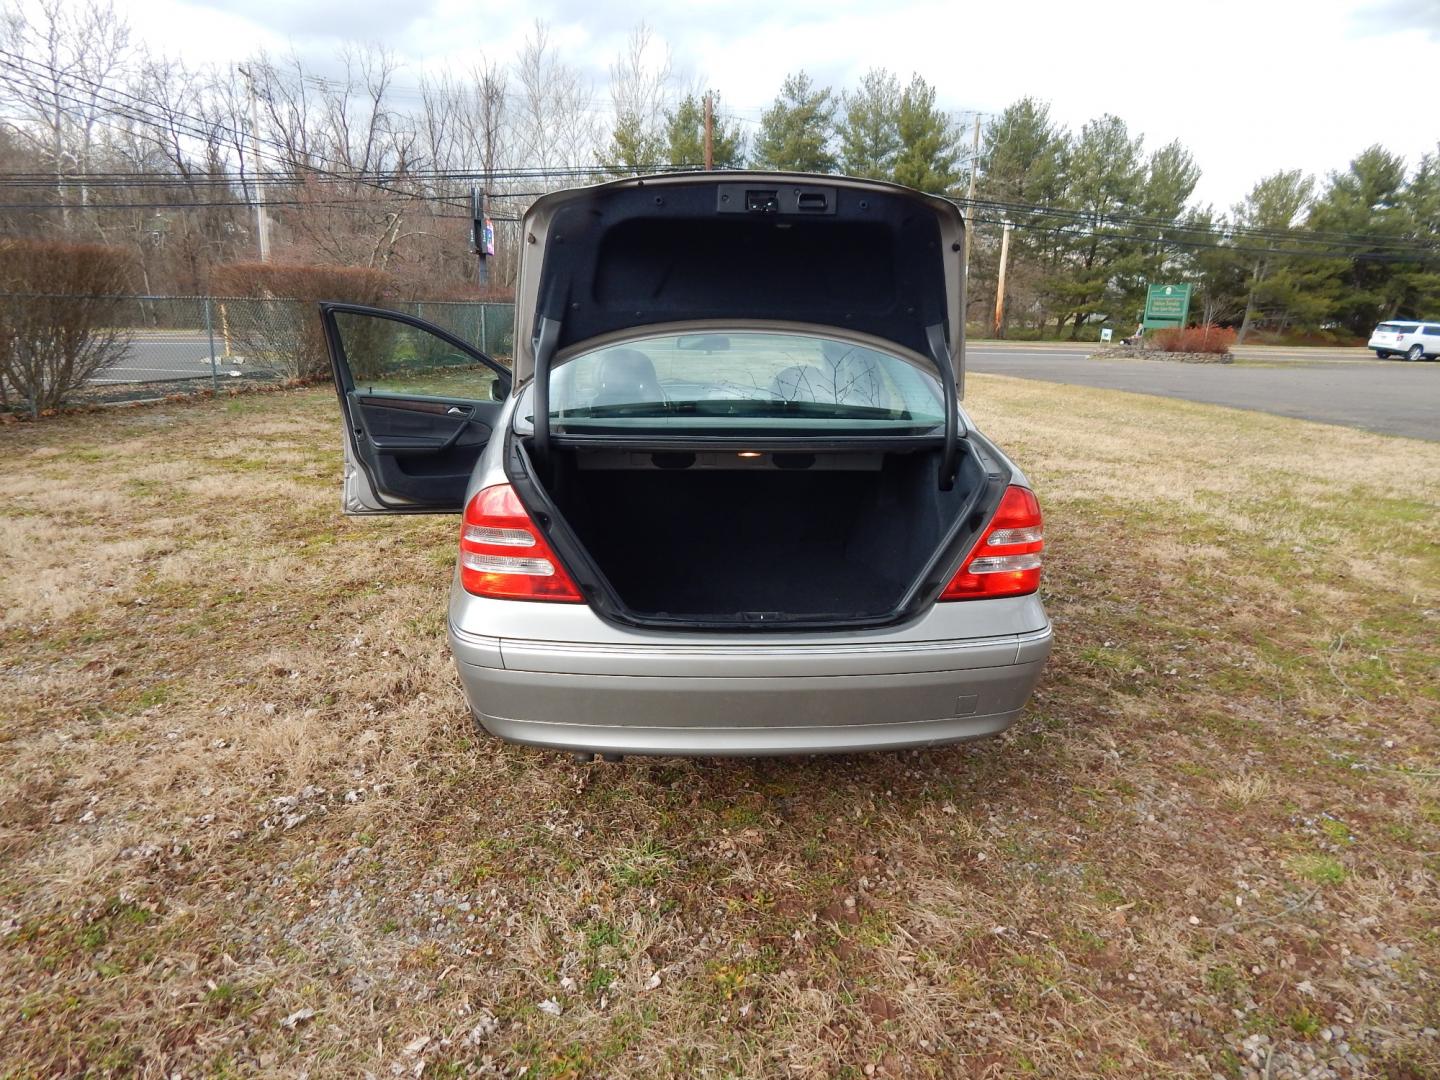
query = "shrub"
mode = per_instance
[
  {"x": 58, "y": 311},
  {"x": 1197, "y": 339},
  {"x": 282, "y": 331}
]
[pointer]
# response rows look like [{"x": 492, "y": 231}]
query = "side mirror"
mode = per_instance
[{"x": 499, "y": 390}]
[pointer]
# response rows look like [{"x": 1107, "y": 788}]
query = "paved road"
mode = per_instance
[
  {"x": 156, "y": 356},
  {"x": 1333, "y": 386}
]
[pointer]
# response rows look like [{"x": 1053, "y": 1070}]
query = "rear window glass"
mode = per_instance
[
  {"x": 1396, "y": 328},
  {"x": 743, "y": 379}
]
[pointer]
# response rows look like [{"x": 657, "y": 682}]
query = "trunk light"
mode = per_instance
[
  {"x": 1006, "y": 559},
  {"x": 495, "y": 525}
]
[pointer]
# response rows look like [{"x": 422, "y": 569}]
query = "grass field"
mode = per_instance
[{"x": 247, "y": 828}]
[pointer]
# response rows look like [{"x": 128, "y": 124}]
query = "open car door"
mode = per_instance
[{"x": 418, "y": 406}]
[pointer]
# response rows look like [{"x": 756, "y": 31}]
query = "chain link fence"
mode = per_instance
[{"x": 179, "y": 344}]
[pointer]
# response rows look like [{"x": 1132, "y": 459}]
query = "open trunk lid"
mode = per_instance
[{"x": 862, "y": 256}]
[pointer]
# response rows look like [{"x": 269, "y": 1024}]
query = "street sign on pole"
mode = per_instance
[
  {"x": 1166, "y": 305},
  {"x": 482, "y": 236}
]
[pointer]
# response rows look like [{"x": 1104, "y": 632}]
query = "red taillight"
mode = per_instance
[
  {"x": 1006, "y": 560},
  {"x": 503, "y": 555}
]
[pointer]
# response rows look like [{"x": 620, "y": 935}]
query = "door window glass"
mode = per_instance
[{"x": 387, "y": 356}]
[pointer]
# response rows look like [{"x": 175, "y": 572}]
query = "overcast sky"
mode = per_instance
[{"x": 1250, "y": 86}]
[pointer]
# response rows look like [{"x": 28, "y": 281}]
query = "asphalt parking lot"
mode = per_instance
[
  {"x": 168, "y": 356},
  {"x": 1333, "y": 386}
]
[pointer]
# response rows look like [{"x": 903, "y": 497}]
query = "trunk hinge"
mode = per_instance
[
  {"x": 950, "y": 456},
  {"x": 545, "y": 340}
]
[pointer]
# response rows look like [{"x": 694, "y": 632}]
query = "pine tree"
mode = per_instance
[
  {"x": 1365, "y": 200},
  {"x": 1420, "y": 284},
  {"x": 1274, "y": 205},
  {"x": 685, "y": 135},
  {"x": 929, "y": 153},
  {"x": 634, "y": 147},
  {"x": 1106, "y": 177},
  {"x": 1220, "y": 274},
  {"x": 1170, "y": 178},
  {"x": 796, "y": 131},
  {"x": 870, "y": 131},
  {"x": 1023, "y": 157}
]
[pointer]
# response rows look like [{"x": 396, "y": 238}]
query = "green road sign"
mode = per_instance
[{"x": 1167, "y": 305}]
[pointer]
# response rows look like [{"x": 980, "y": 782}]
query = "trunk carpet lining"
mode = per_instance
[{"x": 722, "y": 543}]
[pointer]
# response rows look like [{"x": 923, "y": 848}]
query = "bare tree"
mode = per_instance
[
  {"x": 556, "y": 127},
  {"x": 64, "y": 60},
  {"x": 486, "y": 119},
  {"x": 641, "y": 80},
  {"x": 350, "y": 171}
]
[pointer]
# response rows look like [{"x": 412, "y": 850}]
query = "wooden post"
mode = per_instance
[
  {"x": 210, "y": 333},
  {"x": 709, "y": 132},
  {"x": 1000, "y": 284}
]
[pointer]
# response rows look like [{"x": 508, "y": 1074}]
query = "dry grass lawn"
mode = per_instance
[{"x": 247, "y": 827}]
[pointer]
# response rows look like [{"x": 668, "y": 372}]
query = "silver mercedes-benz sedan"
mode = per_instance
[{"x": 725, "y": 500}]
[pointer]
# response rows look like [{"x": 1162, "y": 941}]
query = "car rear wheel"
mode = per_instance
[
  {"x": 1382, "y": 354},
  {"x": 1417, "y": 352}
]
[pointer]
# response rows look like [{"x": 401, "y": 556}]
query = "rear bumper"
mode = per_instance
[{"x": 748, "y": 699}]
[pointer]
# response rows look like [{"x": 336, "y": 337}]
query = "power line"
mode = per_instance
[
  {"x": 175, "y": 122},
  {"x": 349, "y": 204},
  {"x": 170, "y": 119},
  {"x": 100, "y": 180}
]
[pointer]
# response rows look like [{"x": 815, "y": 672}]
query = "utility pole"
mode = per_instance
[
  {"x": 1000, "y": 285},
  {"x": 709, "y": 132},
  {"x": 262, "y": 216},
  {"x": 970, "y": 195}
]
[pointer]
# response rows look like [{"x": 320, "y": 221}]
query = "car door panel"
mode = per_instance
[
  {"x": 399, "y": 426},
  {"x": 409, "y": 452}
]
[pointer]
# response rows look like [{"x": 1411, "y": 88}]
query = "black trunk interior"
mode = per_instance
[{"x": 758, "y": 541}]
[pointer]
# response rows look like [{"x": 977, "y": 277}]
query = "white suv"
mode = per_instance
[{"x": 1412, "y": 340}]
